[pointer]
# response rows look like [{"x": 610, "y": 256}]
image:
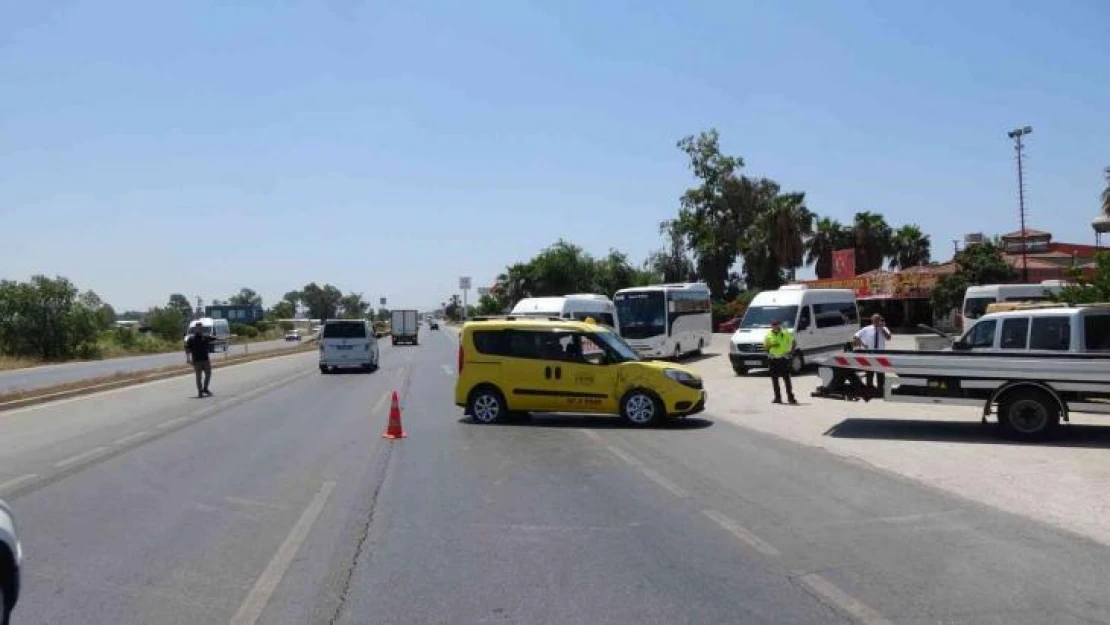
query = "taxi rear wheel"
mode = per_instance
[
  {"x": 487, "y": 405},
  {"x": 641, "y": 408}
]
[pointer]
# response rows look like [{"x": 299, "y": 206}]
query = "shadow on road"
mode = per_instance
[
  {"x": 1095, "y": 436},
  {"x": 692, "y": 358},
  {"x": 590, "y": 422}
]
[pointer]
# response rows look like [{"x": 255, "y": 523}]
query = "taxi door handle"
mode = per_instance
[
  {"x": 558, "y": 373},
  {"x": 547, "y": 372}
]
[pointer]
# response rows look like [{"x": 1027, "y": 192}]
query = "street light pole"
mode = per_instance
[{"x": 1016, "y": 134}]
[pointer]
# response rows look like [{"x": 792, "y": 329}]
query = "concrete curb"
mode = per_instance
[{"x": 142, "y": 377}]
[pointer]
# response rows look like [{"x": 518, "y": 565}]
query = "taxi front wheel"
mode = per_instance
[
  {"x": 641, "y": 408},
  {"x": 486, "y": 405}
]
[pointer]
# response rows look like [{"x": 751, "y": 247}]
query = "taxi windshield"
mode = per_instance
[{"x": 616, "y": 346}]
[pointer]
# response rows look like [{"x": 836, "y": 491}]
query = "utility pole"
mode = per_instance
[
  {"x": 955, "y": 247},
  {"x": 1016, "y": 134}
]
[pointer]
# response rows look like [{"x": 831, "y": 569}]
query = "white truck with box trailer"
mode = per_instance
[{"x": 404, "y": 325}]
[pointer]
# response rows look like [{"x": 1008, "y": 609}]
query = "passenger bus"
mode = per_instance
[
  {"x": 977, "y": 298},
  {"x": 665, "y": 320}
]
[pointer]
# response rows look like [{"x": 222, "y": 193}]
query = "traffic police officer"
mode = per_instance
[{"x": 780, "y": 345}]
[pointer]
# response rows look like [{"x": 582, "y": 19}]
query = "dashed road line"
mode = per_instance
[
  {"x": 259, "y": 595},
  {"x": 85, "y": 455},
  {"x": 381, "y": 402},
  {"x": 742, "y": 534},
  {"x": 849, "y": 604},
  {"x": 449, "y": 370},
  {"x": 132, "y": 438},
  {"x": 174, "y": 422},
  {"x": 16, "y": 482},
  {"x": 674, "y": 489}
]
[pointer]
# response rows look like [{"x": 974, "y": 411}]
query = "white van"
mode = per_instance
[
  {"x": 218, "y": 328},
  {"x": 978, "y": 297},
  {"x": 823, "y": 321},
  {"x": 577, "y": 306},
  {"x": 348, "y": 343}
]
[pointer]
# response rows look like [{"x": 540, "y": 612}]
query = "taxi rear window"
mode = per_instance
[{"x": 490, "y": 342}]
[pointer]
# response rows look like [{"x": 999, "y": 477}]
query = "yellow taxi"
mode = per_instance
[{"x": 516, "y": 365}]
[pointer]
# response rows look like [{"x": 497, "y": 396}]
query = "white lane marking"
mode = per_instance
[
  {"x": 651, "y": 474},
  {"x": 173, "y": 422},
  {"x": 268, "y": 581},
  {"x": 854, "y": 607},
  {"x": 92, "y": 453},
  {"x": 448, "y": 369},
  {"x": 746, "y": 537},
  {"x": 592, "y": 434},
  {"x": 675, "y": 489},
  {"x": 17, "y": 481},
  {"x": 132, "y": 438}
]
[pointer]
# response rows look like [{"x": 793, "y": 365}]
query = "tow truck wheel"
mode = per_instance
[
  {"x": 797, "y": 362},
  {"x": 1028, "y": 414}
]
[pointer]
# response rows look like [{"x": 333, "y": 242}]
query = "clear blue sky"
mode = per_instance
[{"x": 153, "y": 147}]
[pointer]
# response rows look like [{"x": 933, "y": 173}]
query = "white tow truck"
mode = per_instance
[{"x": 1030, "y": 366}]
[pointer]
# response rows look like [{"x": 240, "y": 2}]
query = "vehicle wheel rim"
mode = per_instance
[
  {"x": 640, "y": 409},
  {"x": 1028, "y": 416},
  {"x": 486, "y": 408},
  {"x": 796, "y": 363}
]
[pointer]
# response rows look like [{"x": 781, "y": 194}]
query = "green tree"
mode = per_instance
[
  {"x": 353, "y": 306},
  {"x": 791, "y": 223},
  {"x": 979, "y": 263},
  {"x": 488, "y": 305},
  {"x": 100, "y": 315},
  {"x": 758, "y": 241},
  {"x": 383, "y": 314},
  {"x": 181, "y": 304},
  {"x": 294, "y": 298},
  {"x": 909, "y": 247},
  {"x": 322, "y": 301},
  {"x": 1088, "y": 291},
  {"x": 828, "y": 236},
  {"x": 672, "y": 263},
  {"x": 713, "y": 215},
  {"x": 453, "y": 308},
  {"x": 168, "y": 323},
  {"x": 281, "y": 310},
  {"x": 563, "y": 268},
  {"x": 872, "y": 237},
  {"x": 45, "y": 318},
  {"x": 245, "y": 297}
]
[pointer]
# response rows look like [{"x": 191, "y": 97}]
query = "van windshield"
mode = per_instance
[
  {"x": 975, "y": 307},
  {"x": 345, "y": 330},
  {"x": 762, "y": 316}
]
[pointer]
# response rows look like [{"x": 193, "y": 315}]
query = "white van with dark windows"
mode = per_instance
[
  {"x": 577, "y": 306},
  {"x": 216, "y": 328},
  {"x": 346, "y": 343},
  {"x": 823, "y": 321},
  {"x": 978, "y": 297}
]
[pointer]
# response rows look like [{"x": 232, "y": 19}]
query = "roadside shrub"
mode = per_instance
[
  {"x": 287, "y": 326},
  {"x": 244, "y": 330},
  {"x": 264, "y": 326}
]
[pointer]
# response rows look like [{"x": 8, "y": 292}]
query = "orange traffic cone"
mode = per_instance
[{"x": 394, "y": 429}]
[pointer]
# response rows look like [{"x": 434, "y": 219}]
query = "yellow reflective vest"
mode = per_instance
[{"x": 780, "y": 344}]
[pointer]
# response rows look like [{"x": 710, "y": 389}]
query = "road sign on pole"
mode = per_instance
[
  {"x": 381, "y": 301},
  {"x": 464, "y": 286},
  {"x": 483, "y": 291}
]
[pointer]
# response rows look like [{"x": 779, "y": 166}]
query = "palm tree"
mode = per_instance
[
  {"x": 871, "y": 236},
  {"x": 787, "y": 223},
  {"x": 909, "y": 247},
  {"x": 828, "y": 236}
]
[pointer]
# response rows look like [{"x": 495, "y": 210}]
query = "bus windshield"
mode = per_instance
[{"x": 641, "y": 315}]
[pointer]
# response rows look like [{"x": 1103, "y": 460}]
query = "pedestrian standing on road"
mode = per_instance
[
  {"x": 197, "y": 348},
  {"x": 871, "y": 338},
  {"x": 779, "y": 343}
]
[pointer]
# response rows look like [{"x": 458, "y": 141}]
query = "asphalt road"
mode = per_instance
[
  {"x": 277, "y": 501},
  {"x": 51, "y": 375}
]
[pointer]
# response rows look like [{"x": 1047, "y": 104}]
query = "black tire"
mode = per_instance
[
  {"x": 677, "y": 352},
  {"x": 641, "y": 408},
  {"x": 368, "y": 367},
  {"x": 486, "y": 405},
  {"x": 797, "y": 363},
  {"x": 740, "y": 370},
  {"x": 324, "y": 370},
  {"x": 1028, "y": 414},
  {"x": 5, "y": 609}
]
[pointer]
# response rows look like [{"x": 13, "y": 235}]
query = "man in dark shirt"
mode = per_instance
[{"x": 197, "y": 347}]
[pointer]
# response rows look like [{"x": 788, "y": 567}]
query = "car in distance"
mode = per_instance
[
  {"x": 11, "y": 559},
  {"x": 522, "y": 364},
  {"x": 348, "y": 343},
  {"x": 433, "y": 324},
  {"x": 293, "y": 335}
]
